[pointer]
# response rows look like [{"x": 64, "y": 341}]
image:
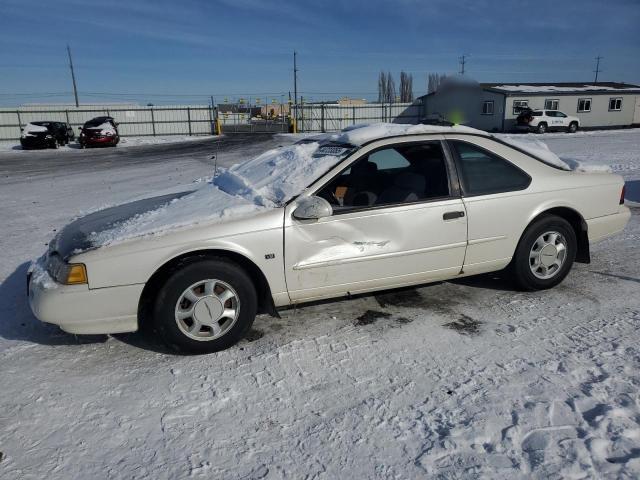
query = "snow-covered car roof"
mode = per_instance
[{"x": 359, "y": 135}]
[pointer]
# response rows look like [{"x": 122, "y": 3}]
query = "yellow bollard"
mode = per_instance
[{"x": 218, "y": 129}]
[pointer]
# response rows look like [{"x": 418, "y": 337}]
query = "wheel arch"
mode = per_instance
[
  {"x": 579, "y": 225},
  {"x": 263, "y": 290}
]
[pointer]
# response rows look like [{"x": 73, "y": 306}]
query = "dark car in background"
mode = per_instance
[
  {"x": 46, "y": 134},
  {"x": 99, "y": 131}
]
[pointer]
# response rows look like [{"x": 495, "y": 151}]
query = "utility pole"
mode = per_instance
[
  {"x": 462, "y": 62},
  {"x": 597, "y": 70},
  {"x": 295, "y": 77},
  {"x": 295, "y": 81},
  {"x": 73, "y": 76}
]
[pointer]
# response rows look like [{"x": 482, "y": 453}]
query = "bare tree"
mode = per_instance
[
  {"x": 390, "y": 93},
  {"x": 406, "y": 87},
  {"x": 434, "y": 81},
  {"x": 382, "y": 87}
]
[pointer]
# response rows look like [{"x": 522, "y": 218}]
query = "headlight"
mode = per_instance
[
  {"x": 108, "y": 133},
  {"x": 67, "y": 273},
  {"x": 48, "y": 137}
]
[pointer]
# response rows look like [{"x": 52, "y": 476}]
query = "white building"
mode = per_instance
[{"x": 495, "y": 107}]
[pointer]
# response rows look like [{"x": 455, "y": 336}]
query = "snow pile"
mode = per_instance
[
  {"x": 360, "y": 134},
  {"x": 536, "y": 148},
  {"x": 267, "y": 181},
  {"x": 208, "y": 203},
  {"x": 541, "y": 150},
  {"x": 30, "y": 128},
  {"x": 40, "y": 275}
]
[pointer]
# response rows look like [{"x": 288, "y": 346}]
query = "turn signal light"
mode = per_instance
[{"x": 76, "y": 274}]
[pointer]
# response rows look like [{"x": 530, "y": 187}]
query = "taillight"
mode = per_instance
[{"x": 622, "y": 195}]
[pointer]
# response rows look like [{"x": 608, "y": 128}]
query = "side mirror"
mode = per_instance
[{"x": 312, "y": 208}]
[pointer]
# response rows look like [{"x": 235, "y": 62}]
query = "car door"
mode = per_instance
[
  {"x": 397, "y": 220},
  {"x": 493, "y": 191},
  {"x": 563, "y": 120}
]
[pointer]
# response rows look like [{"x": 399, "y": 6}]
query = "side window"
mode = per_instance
[
  {"x": 487, "y": 107},
  {"x": 519, "y": 106},
  {"x": 402, "y": 173},
  {"x": 615, "y": 104},
  {"x": 560, "y": 115},
  {"x": 484, "y": 173},
  {"x": 584, "y": 105},
  {"x": 388, "y": 159},
  {"x": 551, "y": 104}
]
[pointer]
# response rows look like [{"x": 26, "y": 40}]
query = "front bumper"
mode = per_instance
[{"x": 81, "y": 310}]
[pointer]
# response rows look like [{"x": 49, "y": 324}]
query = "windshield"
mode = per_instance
[{"x": 280, "y": 174}]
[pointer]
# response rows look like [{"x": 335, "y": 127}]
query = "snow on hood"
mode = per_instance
[
  {"x": 540, "y": 150},
  {"x": 265, "y": 182},
  {"x": 31, "y": 128},
  {"x": 105, "y": 127}
]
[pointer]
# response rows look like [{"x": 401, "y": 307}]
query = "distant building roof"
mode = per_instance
[{"x": 568, "y": 87}]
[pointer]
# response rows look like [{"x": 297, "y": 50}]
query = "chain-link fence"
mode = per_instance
[
  {"x": 132, "y": 120},
  {"x": 135, "y": 120},
  {"x": 326, "y": 117}
]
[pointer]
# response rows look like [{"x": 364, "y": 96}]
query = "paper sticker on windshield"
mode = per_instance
[{"x": 330, "y": 150}]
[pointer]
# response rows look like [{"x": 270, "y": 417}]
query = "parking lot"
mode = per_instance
[{"x": 456, "y": 379}]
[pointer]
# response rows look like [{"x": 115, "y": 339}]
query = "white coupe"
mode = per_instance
[{"x": 371, "y": 208}]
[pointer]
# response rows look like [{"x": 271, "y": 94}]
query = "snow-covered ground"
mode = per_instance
[
  {"x": 465, "y": 379},
  {"x": 14, "y": 145}
]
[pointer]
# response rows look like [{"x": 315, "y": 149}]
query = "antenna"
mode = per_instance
[
  {"x": 73, "y": 76},
  {"x": 215, "y": 159},
  {"x": 597, "y": 70}
]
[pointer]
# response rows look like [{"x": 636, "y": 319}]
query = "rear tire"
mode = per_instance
[
  {"x": 205, "y": 306},
  {"x": 573, "y": 127},
  {"x": 542, "y": 127},
  {"x": 545, "y": 254}
]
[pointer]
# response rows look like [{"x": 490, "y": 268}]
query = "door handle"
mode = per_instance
[{"x": 452, "y": 215}]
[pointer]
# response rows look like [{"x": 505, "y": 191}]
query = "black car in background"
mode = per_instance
[
  {"x": 46, "y": 134},
  {"x": 99, "y": 131}
]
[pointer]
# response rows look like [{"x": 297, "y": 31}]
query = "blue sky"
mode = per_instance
[{"x": 172, "y": 51}]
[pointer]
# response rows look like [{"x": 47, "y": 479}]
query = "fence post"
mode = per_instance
[
  {"x": 153, "y": 122},
  {"x": 19, "y": 123},
  {"x": 353, "y": 115},
  {"x": 322, "y": 117},
  {"x": 189, "y": 119}
]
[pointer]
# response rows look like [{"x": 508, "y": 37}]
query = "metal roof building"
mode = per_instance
[{"x": 495, "y": 106}]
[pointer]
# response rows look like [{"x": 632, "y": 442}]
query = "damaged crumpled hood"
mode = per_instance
[{"x": 77, "y": 236}]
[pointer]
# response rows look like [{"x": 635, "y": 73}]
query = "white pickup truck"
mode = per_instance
[{"x": 541, "y": 121}]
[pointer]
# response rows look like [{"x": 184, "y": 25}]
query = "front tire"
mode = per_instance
[
  {"x": 545, "y": 254},
  {"x": 205, "y": 306},
  {"x": 573, "y": 127}
]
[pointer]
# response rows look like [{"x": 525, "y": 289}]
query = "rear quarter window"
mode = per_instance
[{"x": 483, "y": 172}]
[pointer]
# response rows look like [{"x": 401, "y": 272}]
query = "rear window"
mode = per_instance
[{"x": 536, "y": 114}]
